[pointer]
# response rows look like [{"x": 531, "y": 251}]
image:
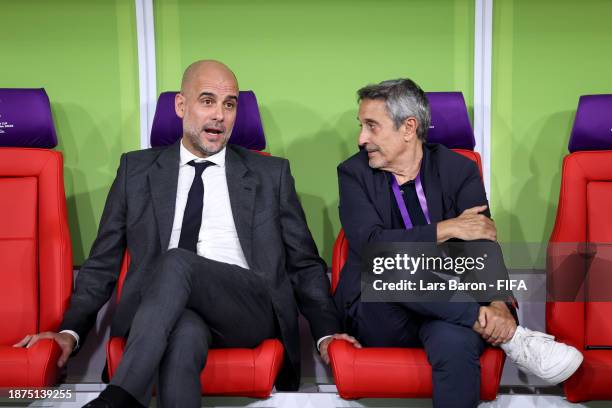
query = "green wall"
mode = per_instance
[
  {"x": 306, "y": 60},
  {"x": 545, "y": 55},
  {"x": 84, "y": 54}
]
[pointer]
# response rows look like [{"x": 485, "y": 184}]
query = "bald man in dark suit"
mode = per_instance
[{"x": 221, "y": 256}]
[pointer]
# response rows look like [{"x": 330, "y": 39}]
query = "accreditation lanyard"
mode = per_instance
[{"x": 402, "y": 204}]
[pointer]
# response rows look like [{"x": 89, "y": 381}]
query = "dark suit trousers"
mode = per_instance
[
  {"x": 444, "y": 329},
  {"x": 191, "y": 304}
]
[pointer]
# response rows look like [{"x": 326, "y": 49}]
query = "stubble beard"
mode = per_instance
[{"x": 198, "y": 144}]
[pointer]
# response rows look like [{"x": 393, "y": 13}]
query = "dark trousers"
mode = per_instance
[
  {"x": 444, "y": 329},
  {"x": 191, "y": 304}
]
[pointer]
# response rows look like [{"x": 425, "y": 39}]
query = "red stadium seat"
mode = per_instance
[
  {"x": 232, "y": 371},
  {"x": 35, "y": 248},
  {"x": 580, "y": 252},
  {"x": 374, "y": 372},
  {"x": 394, "y": 372},
  {"x": 243, "y": 372}
]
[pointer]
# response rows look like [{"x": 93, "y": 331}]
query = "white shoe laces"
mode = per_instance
[{"x": 526, "y": 352}]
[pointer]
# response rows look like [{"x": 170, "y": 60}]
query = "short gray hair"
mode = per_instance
[{"x": 403, "y": 99}]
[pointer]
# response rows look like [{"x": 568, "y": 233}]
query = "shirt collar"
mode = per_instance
[{"x": 187, "y": 156}]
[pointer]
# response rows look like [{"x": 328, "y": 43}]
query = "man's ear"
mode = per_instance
[
  {"x": 179, "y": 105},
  {"x": 410, "y": 127}
]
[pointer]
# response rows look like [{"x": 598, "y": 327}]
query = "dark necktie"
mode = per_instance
[{"x": 192, "y": 218}]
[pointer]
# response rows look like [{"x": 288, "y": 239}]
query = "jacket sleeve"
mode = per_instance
[
  {"x": 361, "y": 221},
  {"x": 307, "y": 271},
  {"x": 98, "y": 275}
]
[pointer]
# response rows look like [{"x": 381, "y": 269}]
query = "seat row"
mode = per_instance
[{"x": 36, "y": 259}]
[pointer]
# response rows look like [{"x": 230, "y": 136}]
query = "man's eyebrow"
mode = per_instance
[
  {"x": 207, "y": 94},
  {"x": 211, "y": 94},
  {"x": 368, "y": 120}
]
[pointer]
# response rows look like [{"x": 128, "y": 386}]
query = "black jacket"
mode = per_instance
[
  {"x": 271, "y": 227},
  {"x": 452, "y": 184}
]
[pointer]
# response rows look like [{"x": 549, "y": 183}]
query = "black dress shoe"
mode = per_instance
[
  {"x": 98, "y": 403},
  {"x": 114, "y": 397}
]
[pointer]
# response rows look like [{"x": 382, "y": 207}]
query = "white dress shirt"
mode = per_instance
[{"x": 218, "y": 238}]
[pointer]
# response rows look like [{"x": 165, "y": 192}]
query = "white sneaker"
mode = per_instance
[{"x": 539, "y": 354}]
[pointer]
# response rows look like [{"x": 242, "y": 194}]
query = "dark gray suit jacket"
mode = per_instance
[{"x": 271, "y": 227}]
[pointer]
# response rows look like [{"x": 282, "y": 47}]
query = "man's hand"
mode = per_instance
[
  {"x": 469, "y": 226},
  {"x": 495, "y": 323},
  {"x": 64, "y": 340},
  {"x": 340, "y": 336}
]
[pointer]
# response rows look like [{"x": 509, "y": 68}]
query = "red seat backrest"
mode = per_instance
[
  {"x": 579, "y": 275},
  {"x": 35, "y": 248},
  {"x": 19, "y": 270}
]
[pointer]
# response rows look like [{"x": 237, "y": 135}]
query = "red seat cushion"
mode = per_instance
[
  {"x": 592, "y": 380},
  {"x": 235, "y": 371},
  {"x": 374, "y": 372},
  {"x": 230, "y": 371},
  {"x": 29, "y": 367}
]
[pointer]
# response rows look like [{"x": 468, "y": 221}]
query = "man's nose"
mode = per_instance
[
  {"x": 363, "y": 138},
  {"x": 219, "y": 113}
]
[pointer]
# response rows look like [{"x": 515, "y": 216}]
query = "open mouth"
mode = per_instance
[{"x": 213, "y": 131}]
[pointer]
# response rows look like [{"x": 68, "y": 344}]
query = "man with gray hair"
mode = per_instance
[{"x": 399, "y": 188}]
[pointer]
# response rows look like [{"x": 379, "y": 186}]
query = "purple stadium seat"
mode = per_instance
[
  {"x": 593, "y": 124},
  {"x": 25, "y": 119},
  {"x": 450, "y": 123},
  {"x": 35, "y": 248},
  {"x": 579, "y": 252}
]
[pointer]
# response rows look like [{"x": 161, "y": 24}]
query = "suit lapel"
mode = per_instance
[
  {"x": 163, "y": 180},
  {"x": 241, "y": 185},
  {"x": 433, "y": 189},
  {"x": 382, "y": 196}
]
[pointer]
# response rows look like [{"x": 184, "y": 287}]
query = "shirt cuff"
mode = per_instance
[
  {"x": 321, "y": 340},
  {"x": 73, "y": 334}
]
